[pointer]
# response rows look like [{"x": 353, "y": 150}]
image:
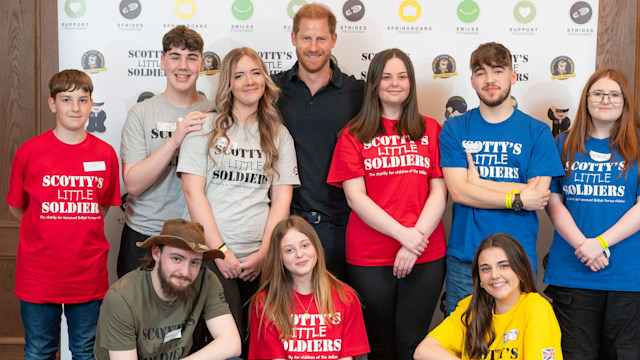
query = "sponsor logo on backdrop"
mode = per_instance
[
  {"x": 456, "y": 105},
  {"x": 93, "y": 62},
  {"x": 185, "y": 9},
  {"x": 293, "y": 6},
  {"x": 75, "y": 8},
  {"x": 410, "y": 10},
  {"x": 277, "y": 61},
  {"x": 443, "y": 66},
  {"x": 211, "y": 63},
  {"x": 353, "y": 10},
  {"x": 562, "y": 67},
  {"x": 144, "y": 63},
  {"x": 524, "y": 12},
  {"x": 130, "y": 9},
  {"x": 242, "y": 9},
  {"x": 468, "y": 11},
  {"x": 580, "y": 12},
  {"x": 518, "y": 62}
]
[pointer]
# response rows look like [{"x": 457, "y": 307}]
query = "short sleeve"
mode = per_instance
[
  {"x": 286, "y": 166},
  {"x": 117, "y": 324},
  {"x": 544, "y": 160},
  {"x": 264, "y": 341},
  {"x": 354, "y": 338},
  {"x": 542, "y": 332},
  {"x": 112, "y": 193},
  {"x": 132, "y": 141},
  {"x": 194, "y": 151},
  {"x": 556, "y": 182},
  {"x": 347, "y": 162},
  {"x": 16, "y": 196},
  {"x": 215, "y": 303},
  {"x": 451, "y": 152},
  {"x": 434, "y": 129},
  {"x": 450, "y": 333}
]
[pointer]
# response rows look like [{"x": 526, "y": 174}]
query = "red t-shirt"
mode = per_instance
[
  {"x": 396, "y": 172},
  {"x": 62, "y": 252},
  {"x": 314, "y": 338}
]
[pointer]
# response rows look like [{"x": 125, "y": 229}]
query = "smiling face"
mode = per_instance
[
  {"x": 299, "y": 256},
  {"x": 247, "y": 83},
  {"x": 498, "y": 278},
  {"x": 394, "y": 86},
  {"x": 177, "y": 269},
  {"x": 313, "y": 43},
  {"x": 182, "y": 67},
  {"x": 443, "y": 64},
  {"x": 493, "y": 83},
  {"x": 604, "y": 111},
  {"x": 72, "y": 109}
]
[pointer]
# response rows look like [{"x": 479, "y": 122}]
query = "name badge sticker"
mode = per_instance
[
  {"x": 166, "y": 126},
  {"x": 600, "y": 157},
  {"x": 472, "y": 146},
  {"x": 94, "y": 166},
  {"x": 175, "y": 334}
]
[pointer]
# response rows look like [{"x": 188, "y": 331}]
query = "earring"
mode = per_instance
[{"x": 481, "y": 285}]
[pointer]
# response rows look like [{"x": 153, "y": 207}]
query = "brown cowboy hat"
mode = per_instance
[{"x": 185, "y": 235}]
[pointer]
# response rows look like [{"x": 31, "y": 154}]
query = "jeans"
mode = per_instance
[
  {"x": 42, "y": 328},
  {"x": 459, "y": 282}
]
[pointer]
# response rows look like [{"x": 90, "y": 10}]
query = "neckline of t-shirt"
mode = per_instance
[{"x": 84, "y": 141}]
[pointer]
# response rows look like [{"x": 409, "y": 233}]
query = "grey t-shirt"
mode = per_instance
[
  {"x": 133, "y": 316},
  {"x": 149, "y": 124},
  {"x": 237, "y": 186}
]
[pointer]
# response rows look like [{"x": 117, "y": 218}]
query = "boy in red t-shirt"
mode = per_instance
[{"x": 62, "y": 184}]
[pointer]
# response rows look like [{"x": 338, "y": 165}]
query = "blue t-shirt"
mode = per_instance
[
  {"x": 514, "y": 150},
  {"x": 597, "y": 198}
]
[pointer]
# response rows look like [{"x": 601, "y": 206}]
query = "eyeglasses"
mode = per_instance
[{"x": 598, "y": 96}]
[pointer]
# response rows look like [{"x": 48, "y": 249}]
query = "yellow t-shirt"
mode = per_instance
[{"x": 528, "y": 331}]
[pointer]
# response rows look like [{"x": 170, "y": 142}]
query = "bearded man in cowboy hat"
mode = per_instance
[{"x": 151, "y": 312}]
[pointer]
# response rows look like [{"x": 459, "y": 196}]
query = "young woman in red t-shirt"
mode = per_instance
[
  {"x": 387, "y": 161},
  {"x": 302, "y": 311}
]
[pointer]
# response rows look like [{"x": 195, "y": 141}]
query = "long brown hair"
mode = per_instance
[
  {"x": 367, "y": 124},
  {"x": 624, "y": 133},
  {"x": 277, "y": 282},
  {"x": 477, "y": 318},
  {"x": 269, "y": 119}
]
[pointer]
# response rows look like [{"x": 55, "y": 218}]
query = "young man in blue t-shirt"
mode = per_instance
[{"x": 497, "y": 163}]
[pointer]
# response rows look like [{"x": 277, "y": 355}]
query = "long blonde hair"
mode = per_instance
[
  {"x": 275, "y": 294},
  {"x": 269, "y": 119}
]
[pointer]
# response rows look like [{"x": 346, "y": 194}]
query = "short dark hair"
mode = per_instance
[
  {"x": 70, "y": 80},
  {"x": 492, "y": 54},
  {"x": 184, "y": 38}
]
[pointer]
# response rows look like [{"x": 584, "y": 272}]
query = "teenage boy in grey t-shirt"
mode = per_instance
[{"x": 151, "y": 139}]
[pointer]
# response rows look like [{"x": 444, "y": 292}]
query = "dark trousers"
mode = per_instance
[
  {"x": 397, "y": 312},
  {"x": 332, "y": 237},
  {"x": 129, "y": 255},
  {"x": 597, "y": 324},
  {"x": 237, "y": 293}
]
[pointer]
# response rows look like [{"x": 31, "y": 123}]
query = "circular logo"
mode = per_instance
[
  {"x": 242, "y": 9},
  {"x": 334, "y": 60},
  {"x": 93, "y": 61},
  {"x": 580, "y": 12},
  {"x": 562, "y": 67},
  {"x": 130, "y": 9},
  {"x": 443, "y": 66},
  {"x": 456, "y": 105},
  {"x": 211, "y": 63},
  {"x": 185, "y": 9},
  {"x": 524, "y": 11},
  {"x": 514, "y": 102},
  {"x": 410, "y": 10},
  {"x": 353, "y": 10},
  {"x": 294, "y": 6},
  {"x": 75, "y": 8},
  {"x": 468, "y": 11}
]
